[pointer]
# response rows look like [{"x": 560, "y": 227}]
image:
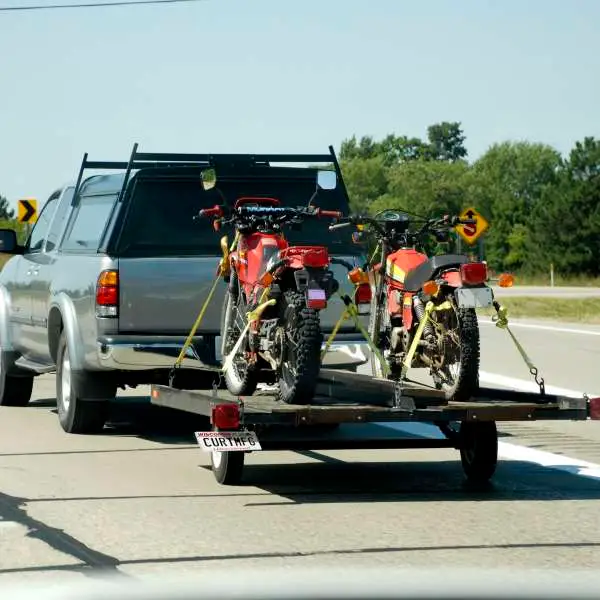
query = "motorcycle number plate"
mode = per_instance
[{"x": 474, "y": 297}]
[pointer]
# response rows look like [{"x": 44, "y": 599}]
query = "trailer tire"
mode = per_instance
[
  {"x": 478, "y": 450},
  {"x": 227, "y": 467}
]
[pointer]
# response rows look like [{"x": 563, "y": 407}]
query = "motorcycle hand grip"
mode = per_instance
[
  {"x": 333, "y": 214},
  {"x": 215, "y": 211},
  {"x": 338, "y": 226}
]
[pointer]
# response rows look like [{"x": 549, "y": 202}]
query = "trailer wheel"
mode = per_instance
[
  {"x": 227, "y": 467},
  {"x": 478, "y": 450}
]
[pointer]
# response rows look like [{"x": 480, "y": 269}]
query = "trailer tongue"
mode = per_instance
[{"x": 259, "y": 422}]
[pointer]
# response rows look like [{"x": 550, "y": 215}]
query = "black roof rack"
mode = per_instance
[{"x": 144, "y": 160}]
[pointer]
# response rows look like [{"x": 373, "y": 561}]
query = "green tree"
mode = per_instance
[
  {"x": 5, "y": 211},
  {"x": 507, "y": 183},
  {"x": 566, "y": 224},
  {"x": 446, "y": 141}
]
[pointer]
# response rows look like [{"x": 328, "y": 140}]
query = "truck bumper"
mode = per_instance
[{"x": 129, "y": 353}]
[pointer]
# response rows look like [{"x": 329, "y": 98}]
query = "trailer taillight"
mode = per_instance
[
  {"x": 594, "y": 404},
  {"x": 107, "y": 294},
  {"x": 226, "y": 416},
  {"x": 474, "y": 273}
]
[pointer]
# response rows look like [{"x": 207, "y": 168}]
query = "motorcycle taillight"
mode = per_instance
[{"x": 474, "y": 273}]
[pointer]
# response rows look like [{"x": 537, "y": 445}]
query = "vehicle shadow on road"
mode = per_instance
[{"x": 338, "y": 481}]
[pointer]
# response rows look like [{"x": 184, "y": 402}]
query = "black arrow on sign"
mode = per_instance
[{"x": 30, "y": 211}]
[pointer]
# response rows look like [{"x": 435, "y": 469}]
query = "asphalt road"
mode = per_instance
[
  {"x": 549, "y": 292},
  {"x": 140, "y": 500}
]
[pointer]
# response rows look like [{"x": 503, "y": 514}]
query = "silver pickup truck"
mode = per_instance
[{"x": 111, "y": 279}]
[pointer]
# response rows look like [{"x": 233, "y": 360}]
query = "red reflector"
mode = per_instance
[
  {"x": 226, "y": 416},
  {"x": 595, "y": 409},
  {"x": 362, "y": 294},
  {"x": 107, "y": 295},
  {"x": 473, "y": 273}
]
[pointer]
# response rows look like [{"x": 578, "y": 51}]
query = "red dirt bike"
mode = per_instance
[
  {"x": 270, "y": 326},
  {"x": 423, "y": 308}
]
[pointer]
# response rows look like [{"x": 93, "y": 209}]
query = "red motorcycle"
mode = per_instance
[
  {"x": 423, "y": 308},
  {"x": 270, "y": 329}
]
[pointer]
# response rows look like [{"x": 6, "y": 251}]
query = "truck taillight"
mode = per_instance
[
  {"x": 474, "y": 273},
  {"x": 107, "y": 294}
]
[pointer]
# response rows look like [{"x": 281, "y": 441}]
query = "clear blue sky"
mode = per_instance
[{"x": 286, "y": 76}]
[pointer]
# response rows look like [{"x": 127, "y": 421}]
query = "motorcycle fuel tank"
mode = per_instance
[
  {"x": 254, "y": 253},
  {"x": 399, "y": 263}
]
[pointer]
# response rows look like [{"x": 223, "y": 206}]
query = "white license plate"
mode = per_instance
[
  {"x": 474, "y": 297},
  {"x": 227, "y": 441}
]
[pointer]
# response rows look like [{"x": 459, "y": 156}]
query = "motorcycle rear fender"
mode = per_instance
[
  {"x": 300, "y": 257},
  {"x": 452, "y": 278}
]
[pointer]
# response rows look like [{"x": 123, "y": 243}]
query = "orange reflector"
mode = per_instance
[
  {"x": 506, "y": 280},
  {"x": 108, "y": 278},
  {"x": 431, "y": 288},
  {"x": 358, "y": 276},
  {"x": 267, "y": 279}
]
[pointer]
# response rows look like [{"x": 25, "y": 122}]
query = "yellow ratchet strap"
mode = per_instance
[
  {"x": 501, "y": 320},
  {"x": 351, "y": 312},
  {"x": 190, "y": 337},
  {"x": 252, "y": 316},
  {"x": 429, "y": 308}
]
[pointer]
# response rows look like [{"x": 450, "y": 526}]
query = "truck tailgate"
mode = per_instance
[{"x": 163, "y": 295}]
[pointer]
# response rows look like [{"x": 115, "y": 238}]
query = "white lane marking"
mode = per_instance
[
  {"x": 545, "y": 327},
  {"x": 549, "y": 460},
  {"x": 495, "y": 379},
  {"x": 7, "y": 524},
  {"x": 513, "y": 451}
]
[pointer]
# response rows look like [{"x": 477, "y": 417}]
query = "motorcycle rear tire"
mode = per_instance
[
  {"x": 302, "y": 330},
  {"x": 467, "y": 381}
]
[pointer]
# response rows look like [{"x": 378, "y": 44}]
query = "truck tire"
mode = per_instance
[
  {"x": 227, "y": 467},
  {"x": 82, "y": 398},
  {"x": 14, "y": 391}
]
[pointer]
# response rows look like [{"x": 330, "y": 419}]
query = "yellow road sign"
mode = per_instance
[
  {"x": 471, "y": 233},
  {"x": 27, "y": 212}
]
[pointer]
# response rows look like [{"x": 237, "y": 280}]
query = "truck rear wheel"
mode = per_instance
[
  {"x": 82, "y": 398},
  {"x": 14, "y": 391}
]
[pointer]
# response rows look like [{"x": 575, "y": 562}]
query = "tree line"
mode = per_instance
[{"x": 542, "y": 208}]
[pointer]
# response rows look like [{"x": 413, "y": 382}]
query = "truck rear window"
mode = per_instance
[{"x": 161, "y": 218}]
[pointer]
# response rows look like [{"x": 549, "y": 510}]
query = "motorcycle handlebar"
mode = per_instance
[
  {"x": 332, "y": 214},
  {"x": 215, "y": 211},
  {"x": 339, "y": 226}
]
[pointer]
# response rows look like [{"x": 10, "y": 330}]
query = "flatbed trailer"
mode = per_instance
[{"x": 259, "y": 422}]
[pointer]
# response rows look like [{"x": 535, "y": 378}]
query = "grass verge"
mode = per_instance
[{"x": 575, "y": 310}]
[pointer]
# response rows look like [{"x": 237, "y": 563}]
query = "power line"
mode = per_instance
[{"x": 95, "y": 4}]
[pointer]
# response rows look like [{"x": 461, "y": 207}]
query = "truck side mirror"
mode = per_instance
[{"x": 8, "y": 242}]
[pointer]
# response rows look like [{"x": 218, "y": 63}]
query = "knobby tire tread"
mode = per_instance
[
  {"x": 467, "y": 382},
  {"x": 306, "y": 330}
]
